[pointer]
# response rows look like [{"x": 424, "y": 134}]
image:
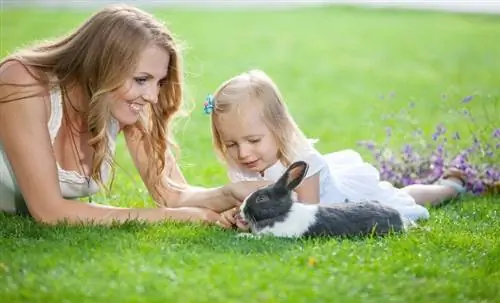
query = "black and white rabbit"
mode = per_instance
[{"x": 272, "y": 210}]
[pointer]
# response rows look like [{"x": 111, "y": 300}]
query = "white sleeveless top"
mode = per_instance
[{"x": 72, "y": 184}]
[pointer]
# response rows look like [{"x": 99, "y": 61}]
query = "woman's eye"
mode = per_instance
[
  {"x": 141, "y": 81},
  {"x": 253, "y": 141}
]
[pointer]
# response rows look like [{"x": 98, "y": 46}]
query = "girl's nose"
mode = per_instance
[{"x": 244, "y": 151}]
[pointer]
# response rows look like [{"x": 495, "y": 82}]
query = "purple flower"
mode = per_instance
[
  {"x": 496, "y": 133},
  {"x": 440, "y": 130},
  {"x": 467, "y": 99},
  {"x": 492, "y": 174},
  {"x": 407, "y": 149},
  {"x": 460, "y": 161},
  {"x": 405, "y": 166},
  {"x": 370, "y": 145},
  {"x": 406, "y": 180},
  {"x": 477, "y": 187}
]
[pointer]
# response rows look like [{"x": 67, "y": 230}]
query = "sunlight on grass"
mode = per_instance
[{"x": 341, "y": 71}]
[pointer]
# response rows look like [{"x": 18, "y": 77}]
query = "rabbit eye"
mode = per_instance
[{"x": 262, "y": 198}]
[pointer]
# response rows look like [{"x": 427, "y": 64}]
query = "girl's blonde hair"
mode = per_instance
[
  {"x": 98, "y": 56},
  {"x": 257, "y": 87}
]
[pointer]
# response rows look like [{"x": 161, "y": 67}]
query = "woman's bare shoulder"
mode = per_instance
[
  {"x": 23, "y": 129},
  {"x": 18, "y": 80}
]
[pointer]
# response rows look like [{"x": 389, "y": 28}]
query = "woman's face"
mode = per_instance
[{"x": 142, "y": 87}]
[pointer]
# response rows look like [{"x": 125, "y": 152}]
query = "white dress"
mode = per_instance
[
  {"x": 72, "y": 184},
  {"x": 344, "y": 177}
]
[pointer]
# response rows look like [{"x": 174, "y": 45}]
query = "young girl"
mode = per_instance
[{"x": 257, "y": 138}]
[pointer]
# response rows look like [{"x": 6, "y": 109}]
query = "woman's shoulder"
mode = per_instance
[
  {"x": 23, "y": 92},
  {"x": 13, "y": 71},
  {"x": 18, "y": 81}
]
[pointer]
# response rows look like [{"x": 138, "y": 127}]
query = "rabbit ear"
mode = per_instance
[{"x": 293, "y": 175}]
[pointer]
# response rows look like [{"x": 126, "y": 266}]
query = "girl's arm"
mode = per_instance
[
  {"x": 23, "y": 129},
  {"x": 308, "y": 190}
]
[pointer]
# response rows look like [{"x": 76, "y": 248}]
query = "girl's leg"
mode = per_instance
[{"x": 451, "y": 184}]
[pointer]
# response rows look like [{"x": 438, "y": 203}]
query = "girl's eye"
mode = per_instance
[
  {"x": 141, "y": 81},
  {"x": 254, "y": 141}
]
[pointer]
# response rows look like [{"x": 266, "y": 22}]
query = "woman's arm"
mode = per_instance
[
  {"x": 23, "y": 129},
  {"x": 217, "y": 199}
]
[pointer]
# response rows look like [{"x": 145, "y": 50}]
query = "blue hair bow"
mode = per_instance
[{"x": 209, "y": 105}]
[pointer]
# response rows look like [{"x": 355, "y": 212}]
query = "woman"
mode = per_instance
[{"x": 62, "y": 105}]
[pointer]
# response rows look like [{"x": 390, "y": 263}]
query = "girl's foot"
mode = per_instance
[{"x": 455, "y": 179}]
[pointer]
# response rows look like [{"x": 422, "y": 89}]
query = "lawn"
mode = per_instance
[{"x": 342, "y": 71}]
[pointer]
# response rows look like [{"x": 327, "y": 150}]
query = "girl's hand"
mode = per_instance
[
  {"x": 231, "y": 218},
  {"x": 227, "y": 218}
]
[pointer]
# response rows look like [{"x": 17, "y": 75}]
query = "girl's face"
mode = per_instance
[
  {"x": 249, "y": 142},
  {"x": 142, "y": 87}
]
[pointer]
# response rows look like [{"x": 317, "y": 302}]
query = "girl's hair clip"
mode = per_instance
[{"x": 208, "y": 106}]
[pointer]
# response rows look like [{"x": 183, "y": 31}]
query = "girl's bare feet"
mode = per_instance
[
  {"x": 455, "y": 178},
  {"x": 451, "y": 184}
]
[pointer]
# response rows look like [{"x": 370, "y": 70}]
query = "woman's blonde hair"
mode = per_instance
[
  {"x": 98, "y": 56},
  {"x": 257, "y": 88}
]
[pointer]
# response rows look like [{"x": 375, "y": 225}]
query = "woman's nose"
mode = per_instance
[{"x": 151, "y": 95}]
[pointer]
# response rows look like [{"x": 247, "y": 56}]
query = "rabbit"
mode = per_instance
[{"x": 272, "y": 210}]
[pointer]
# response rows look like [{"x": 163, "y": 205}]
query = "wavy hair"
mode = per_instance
[{"x": 98, "y": 56}]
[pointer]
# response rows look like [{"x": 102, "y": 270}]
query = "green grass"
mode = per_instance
[{"x": 333, "y": 65}]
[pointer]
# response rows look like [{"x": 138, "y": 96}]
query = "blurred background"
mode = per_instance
[{"x": 492, "y": 6}]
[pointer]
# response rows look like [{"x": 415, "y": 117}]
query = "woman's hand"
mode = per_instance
[{"x": 195, "y": 214}]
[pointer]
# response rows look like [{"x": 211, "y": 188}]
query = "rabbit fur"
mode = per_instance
[{"x": 272, "y": 210}]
